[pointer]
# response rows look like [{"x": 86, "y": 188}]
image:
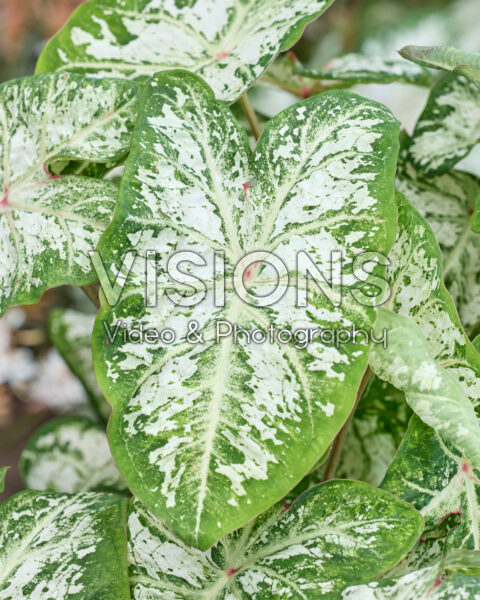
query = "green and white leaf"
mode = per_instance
[
  {"x": 448, "y": 128},
  {"x": 375, "y": 433},
  {"x": 70, "y": 455},
  {"x": 229, "y": 428},
  {"x": 62, "y": 546},
  {"x": 229, "y": 43},
  {"x": 446, "y": 202},
  {"x": 357, "y": 68},
  {"x": 432, "y": 392},
  {"x": 445, "y": 58},
  {"x": 439, "y": 482},
  {"x": 49, "y": 223},
  {"x": 335, "y": 534},
  {"x": 71, "y": 333},
  {"x": 418, "y": 292}
]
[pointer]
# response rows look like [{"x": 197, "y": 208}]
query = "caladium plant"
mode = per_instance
[{"x": 276, "y": 306}]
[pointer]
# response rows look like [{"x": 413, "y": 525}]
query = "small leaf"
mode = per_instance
[
  {"x": 202, "y": 430},
  {"x": 49, "y": 223},
  {"x": 445, "y": 58},
  {"x": 71, "y": 333},
  {"x": 61, "y": 546},
  {"x": 3, "y": 473},
  {"x": 448, "y": 128},
  {"x": 229, "y": 44},
  {"x": 446, "y": 203},
  {"x": 333, "y": 535},
  {"x": 70, "y": 455},
  {"x": 362, "y": 68}
]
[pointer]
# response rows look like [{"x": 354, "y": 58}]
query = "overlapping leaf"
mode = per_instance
[
  {"x": 229, "y": 43},
  {"x": 70, "y": 455},
  {"x": 208, "y": 429},
  {"x": 446, "y": 202},
  {"x": 362, "y": 68},
  {"x": 71, "y": 333},
  {"x": 335, "y": 534},
  {"x": 433, "y": 393},
  {"x": 445, "y": 58},
  {"x": 448, "y": 127},
  {"x": 48, "y": 223},
  {"x": 62, "y": 546}
]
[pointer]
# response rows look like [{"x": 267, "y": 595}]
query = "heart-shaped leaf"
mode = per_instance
[
  {"x": 48, "y": 223},
  {"x": 333, "y": 535},
  {"x": 445, "y": 58},
  {"x": 229, "y": 43},
  {"x": 363, "y": 68},
  {"x": 448, "y": 128},
  {"x": 446, "y": 202},
  {"x": 61, "y": 546},
  {"x": 227, "y": 427},
  {"x": 431, "y": 391},
  {"x": 71, "y": 333},
  {"x": 70, "y": 455}
]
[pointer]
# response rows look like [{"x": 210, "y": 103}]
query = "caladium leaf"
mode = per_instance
[
  {"x": 62, "y": 546},
  {"x": 48, "y": 223},
  {"x": 448, "y": 128},
  {"x": 446, "y": 202},
  {"x": 445, "y": 58},
  {"x": 419, "y": 293},
  {"x": 439, "y": 482},
  {"x": 70, "y": 454},
  {"x": 362, "y": 68},
  {"x": 229, "y": 44},
  {"x": 71, "y": 333},
  {"x": 202, "y": 430},
  {"x": 334, "y": 534},
  {"x": 375, "y": 433},
  {"x": 432, "y": 392}
]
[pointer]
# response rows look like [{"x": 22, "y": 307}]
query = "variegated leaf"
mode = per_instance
[
  {"x": 48, "y": 223},
  {"x": 71, "y": 333},
  {"x": 229, "y": 43},
  {"x": 335, "y": 534},
  {"x": 418, "y": 292},
  {"x": 439, "y": 482},
  {"x": 70, "y": 455},
  {"x": 446, "y": 202},
  {"x": 362, "y": 68},
  {"x": 375, "y": 433},
  {"x": 448, "y": 127},
  {"x": 58, "y": 546},
  {"x": 432, "y": 392},
  {"x": 200, "y": 432},
  {"x": 445, "y": 58}
]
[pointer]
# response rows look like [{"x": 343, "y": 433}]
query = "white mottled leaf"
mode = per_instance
[
  {"x": 445, "y": 58},
  {"x": 447, "y": 203},
  {"x": 71, "y": 333},
  {"x": 448, "y": 127},
  {"x": 229, "y": 43},
  {"x": 48, "y": 223},
  {"x": 362, "y": 68},
  {"x": 335, "y": 534},
  {"x": 70, "y": 455},
  {"x": 58, "y": 546},
  {"x": 229, "y": 428},
  {"x": 431, "y": 391}
]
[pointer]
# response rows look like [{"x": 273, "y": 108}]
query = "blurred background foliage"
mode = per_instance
[{"x": 35, "y": 383}]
